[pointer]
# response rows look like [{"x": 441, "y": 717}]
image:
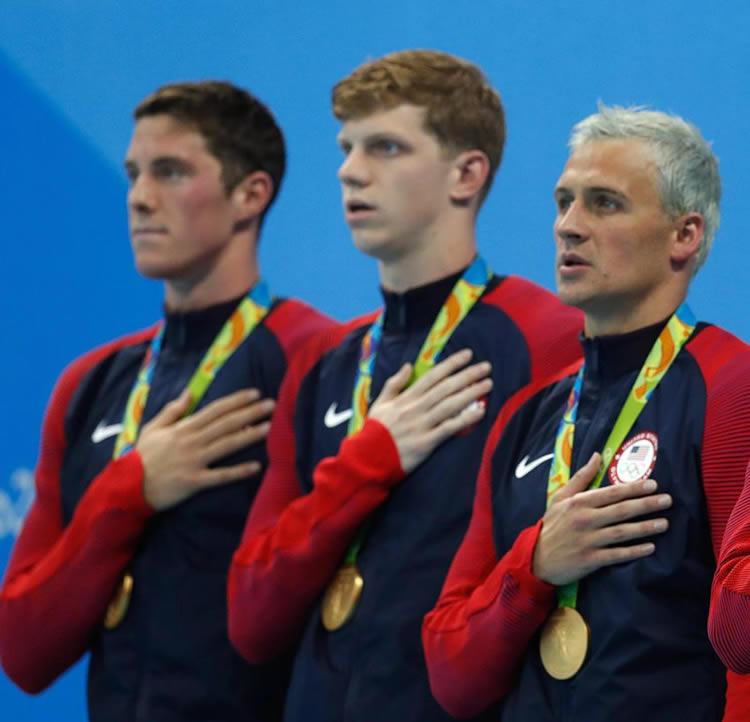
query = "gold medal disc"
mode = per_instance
[
  {"x": 564, "y": 643},
  {"x": 341, "y": 597},
  {"x": 118, "y": 607}
]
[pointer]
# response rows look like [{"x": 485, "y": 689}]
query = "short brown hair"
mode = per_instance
[
  {"x": 238, "y": 129},
  {"x": 463, "y": 111}
]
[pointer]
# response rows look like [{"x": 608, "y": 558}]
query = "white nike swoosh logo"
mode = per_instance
[
  {"x": 524, "y": 467},
  {"x": 102, "y": 432},
  {"x": 334, "y": 418}
]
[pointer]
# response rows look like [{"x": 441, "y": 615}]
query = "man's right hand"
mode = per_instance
[
  {"x": 177, "y": 450},
  {"x": 583, "y": 530},
  {"x": 444, "y": 401}
]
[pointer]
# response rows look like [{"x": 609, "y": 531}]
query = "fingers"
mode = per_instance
[
  {"x": 628, "y": 531},
  {"x": 468, "y": 416},
  {"x": 220, "y": 407},
  {"x": 614, "y": 493},
  {"x": 631, "y": 508},
  {"x": 455, "y": 384},
  {"x": 228, "y": 474},
  {"x": 617, "y": 555},
  {"x": 596, "y": 528},
  {"x": 580, "y": 481},
  {"x": 395, "y": 384},
  {"x": 172, "y": 412},
  {"x": 461, "y": 397},
  {"x": 251, "y": 416},
  {"x": 231, "y": 442},
  {"x": 442, "y": 371}
]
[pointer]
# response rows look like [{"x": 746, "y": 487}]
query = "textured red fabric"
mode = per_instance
[
  {"x": 293, "y": 323},
  {"x": 547, "y": 326},
  {"x": 59, "y": 581},
  {"x": 729, "y": 618}
]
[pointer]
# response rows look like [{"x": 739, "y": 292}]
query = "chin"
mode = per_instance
[
  {"x": 156, "y": 270},
  {"x": 371, "y": 246},
  {"x": 571, "y": 296}
]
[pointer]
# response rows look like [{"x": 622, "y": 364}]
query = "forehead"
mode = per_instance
[
  {"x": 624, "y": 164},
  {"x": 405, "y": 119},
  {"x": 163, "y": 135}
]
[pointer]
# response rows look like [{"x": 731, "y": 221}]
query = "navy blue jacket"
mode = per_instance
[
  {"x": 321, "y": 488},
  {"x": 649, "y": 655},
  {"x": 170, "y": 658}
]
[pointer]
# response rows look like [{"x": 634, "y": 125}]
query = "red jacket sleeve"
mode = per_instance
[
  {"x": 488, "y": 609},
  {"x": 293, "y": 543},
  {"x": 60, "y": 579},
  {"x": 729, "y": 619},
  {"x": 725, "y": 363}
]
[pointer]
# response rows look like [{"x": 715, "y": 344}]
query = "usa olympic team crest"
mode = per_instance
[{"x": 635, "y": 460}]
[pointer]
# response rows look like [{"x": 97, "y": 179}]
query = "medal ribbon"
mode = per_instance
[
  {"x": 463, "y": 296},
  {"x": 248, "y": 314},
  {"x": 664, "y": 351}
]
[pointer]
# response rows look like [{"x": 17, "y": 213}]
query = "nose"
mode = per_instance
[
  {"x": 570, "y": 224},
  {"x": 353, "y": 172},
  {"x": 141, "y": 195}
]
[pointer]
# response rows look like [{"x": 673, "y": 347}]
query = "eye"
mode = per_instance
[
  {"x": 169, "y": 169},
  {"x": 386, "y": 147},
  {"x": 563, "y": 202},
  {"x": 606, "y": 202},
  {"x": 131, "y": 173},
  {"x": 345, "y": 147}
]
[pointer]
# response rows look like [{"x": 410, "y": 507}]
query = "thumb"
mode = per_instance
[
  {"x": 581, "y": 480},
  {"x": 173, "y": 411}
]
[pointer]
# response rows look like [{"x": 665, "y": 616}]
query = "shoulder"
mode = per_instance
[
  {"x": 724, "y": 363},
  {"x": 530, "y": 305},
  {"x": 549, "y": 328},
  {"x": 78, "y": 368},
  {"x": 721, "y": 356},
  {"x": 293, "y": 322},
  {"x": 323, "y": 342},
  {"x": 74, "y": 373}
]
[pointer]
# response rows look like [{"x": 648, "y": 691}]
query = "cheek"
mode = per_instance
[
  {"x": 421, "y": 193},
  {"x": 198, "y": 206}
]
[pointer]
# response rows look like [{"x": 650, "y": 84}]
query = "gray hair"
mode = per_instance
[{"x": 687, "y": 167}]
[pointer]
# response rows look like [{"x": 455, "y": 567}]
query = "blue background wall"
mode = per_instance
[{"x": 71, "y": 71}]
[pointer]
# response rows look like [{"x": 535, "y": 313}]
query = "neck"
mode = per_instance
[
  {"x": 421, "y": 267},
  {"x": 615, "y": 321},
  {"x": 186, "y": 296},
  {"x": 221, "y": 278}
]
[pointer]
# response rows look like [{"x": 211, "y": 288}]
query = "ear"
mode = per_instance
[
  {"x": 472, "y": 167},
  {"x": 251, "y": 196},
  {"x": 687, "y": 238}
]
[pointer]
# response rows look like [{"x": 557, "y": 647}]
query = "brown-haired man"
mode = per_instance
[
  {"x": 350, "y": 538},
  {"x": 126, "y": 548}
]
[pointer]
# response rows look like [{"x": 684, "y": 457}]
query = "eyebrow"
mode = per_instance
[
  {"x": 606, "y": 189},
  {"x": 130, "y": 163},
  {"x": 560, "y": 190},
  {"x": 378, "y": 135}
]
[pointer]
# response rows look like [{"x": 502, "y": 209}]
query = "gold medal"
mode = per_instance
[
  {"x": 341, "y": 597},
  {"x": 118, "y": 607},
  {"x": 564, "y": 643}
]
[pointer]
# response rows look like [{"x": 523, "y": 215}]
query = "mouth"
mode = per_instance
[
  {"x": 147, "y": 231},
  {"x": 356, "y": 210},
  {"x": 570, "y": 265}
]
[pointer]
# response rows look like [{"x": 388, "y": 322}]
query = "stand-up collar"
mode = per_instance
[
  {"x": 609, "y": 357},
  {"x": 417, "y": 308},
  {"x": 196, "y": 329}
]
